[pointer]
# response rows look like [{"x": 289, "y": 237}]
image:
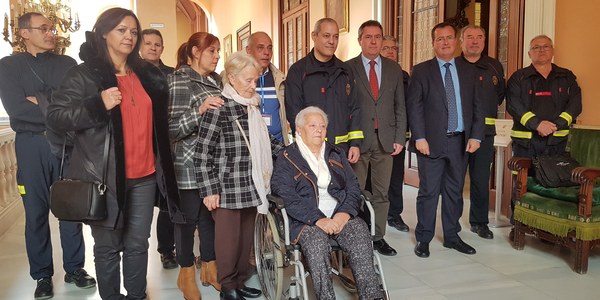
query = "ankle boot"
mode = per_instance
[
  {"x": 208, "y": 274},
  {"x": 186, "y": 282}
]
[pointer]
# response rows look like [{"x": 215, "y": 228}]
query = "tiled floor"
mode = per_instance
[{"x": 497, "y": 271}]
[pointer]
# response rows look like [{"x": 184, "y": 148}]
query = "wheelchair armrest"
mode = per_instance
[
  {"x": 278, "y": 201},
  {"x": 366, "y": 195}
]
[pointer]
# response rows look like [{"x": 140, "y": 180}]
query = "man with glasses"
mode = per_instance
[
  {"x": 446, "y": 123},
  {"x": 389, "y": 50},
  {"x": 26, "y": 81},
  {"x": 380, "y": 91},
  {"x": 490, "y": 76},
  {"x": 544, "y": 100}
]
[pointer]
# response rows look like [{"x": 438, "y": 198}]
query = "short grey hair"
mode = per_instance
[
  {"x": 462, "y": 31},
  {"x": 390, "y": 38},
  {"x": 321, "y": 21},
  {"x": 301, "y": 116},
  {"x": 540, "y": 37},
  {"x": 237, "y": 62}
]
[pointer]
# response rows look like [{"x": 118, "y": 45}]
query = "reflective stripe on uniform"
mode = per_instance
[
  {"x": 490, "y": 121},
  {"x": 520, "y": 134},
  {"x": 528, "y": 115},
  {"x": 21, "y": 189},
  {"x": 561, "y": 133},
  {"x": 352, "y": 135},
  {"x": 408, "y": 134},
  {"x": 567, "y": 117}
]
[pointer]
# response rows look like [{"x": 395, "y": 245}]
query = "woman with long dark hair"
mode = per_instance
[
  {"x": 115, "y": 92},
  {"x": 194, "y": 88}
]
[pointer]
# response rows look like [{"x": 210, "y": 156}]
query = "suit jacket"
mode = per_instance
[
  {"x": 428, "y": 107},
  {"x": 389, "y": 108}
]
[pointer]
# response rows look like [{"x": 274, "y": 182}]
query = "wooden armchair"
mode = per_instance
[{"x": 551, "y": 214}]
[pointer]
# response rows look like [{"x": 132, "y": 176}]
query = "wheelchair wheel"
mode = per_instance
[{"x": 269, "y": 257}]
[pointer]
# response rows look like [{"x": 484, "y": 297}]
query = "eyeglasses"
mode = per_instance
[
  {"x": 445, "y": 39},
  {"x": 386, "y": 48},
  {"x": 541, "y": 48},
  {"x": 43, "y": 29}
]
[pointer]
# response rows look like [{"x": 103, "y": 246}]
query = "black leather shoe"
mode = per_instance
[
  {"x": 399, "y": 224},
  {"x": 44, "y": 289},
  {"x": 81, "y": 279},
  {"x": 460, "y": 246},
  {"x": 422, "y": 249},
  {"x": 483, "y": 231},
  {"x": 230, "y": 294},
  {"x": 168, "y": 260},
  {"x": 383, "y": 248},
  {"x": 249, "y": 292}
]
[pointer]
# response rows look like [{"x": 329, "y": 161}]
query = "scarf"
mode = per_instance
[
  {"x": 316, "y": 163},
  {"x": 259, "y": 145}
]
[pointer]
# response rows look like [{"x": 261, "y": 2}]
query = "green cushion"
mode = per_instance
[
  {"x": 556, "y": 208},
  {"x": 569, "y": 193}
]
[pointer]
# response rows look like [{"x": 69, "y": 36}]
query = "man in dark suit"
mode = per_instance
[
  {"x": 446, "y": 123},
  {"x": 380, "y": 91}
]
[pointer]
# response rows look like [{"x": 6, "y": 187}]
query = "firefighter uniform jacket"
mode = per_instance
[
  {"x": 531, "y": 98},
  {"x": 490, "y": 77},
  {"x": 329, "y": 86}
]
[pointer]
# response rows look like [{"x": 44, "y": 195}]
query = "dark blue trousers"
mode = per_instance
[
  {"x": 479, "y": 174},
  {"x": 396, "y": 186},
  {"x": 445, "y": 176},
  {"x": 37, "y": 170}
]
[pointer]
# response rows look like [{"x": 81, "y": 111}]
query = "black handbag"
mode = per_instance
[
  {"x": 77, "y": 200},
  {"x": 554, "y": 170}
]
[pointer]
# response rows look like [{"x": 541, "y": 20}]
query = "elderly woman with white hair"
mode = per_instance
[
  {"x": 234, "y": 163},
  {"x": 322, "y": 199}
]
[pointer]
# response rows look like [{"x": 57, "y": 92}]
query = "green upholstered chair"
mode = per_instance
[{"x": 566, "y": 216}]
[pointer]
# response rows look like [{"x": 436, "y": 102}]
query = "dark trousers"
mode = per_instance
[
  {"x": 165, "y": 232},
  {"x": 479, "y": 174},
  {"x": 355, "y": 241},
  {"x": 396, "y": 186},
  {"x": 234, "y": 236},
  {"x": 131, "y": 241},
  {"x": 197, "y": 215},
  {"x": 443, "y": 175},
  {"x": 38, "y": 169}
]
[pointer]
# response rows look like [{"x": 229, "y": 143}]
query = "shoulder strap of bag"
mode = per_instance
[{"x": 102, "y": 185}]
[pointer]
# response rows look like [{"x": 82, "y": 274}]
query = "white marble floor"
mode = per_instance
[{"x": 497, "y": 271}]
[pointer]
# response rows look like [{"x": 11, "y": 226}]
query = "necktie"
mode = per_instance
[
  {"x": 374, "y": 85},
  {"x": 451, "y": 97}
]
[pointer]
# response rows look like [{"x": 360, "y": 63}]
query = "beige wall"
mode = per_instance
[{"x": 576, "y": 48}]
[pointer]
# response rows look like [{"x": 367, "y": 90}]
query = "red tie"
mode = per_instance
[{"x": 374, "y": 85}]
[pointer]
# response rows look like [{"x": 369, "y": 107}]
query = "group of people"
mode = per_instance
[{"x": 207, "y": 148}]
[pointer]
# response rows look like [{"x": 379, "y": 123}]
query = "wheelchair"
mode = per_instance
[{"x": 274, "y": 252}]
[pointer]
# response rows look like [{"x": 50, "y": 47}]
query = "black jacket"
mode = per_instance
[
  {"x": 532, "y": 99},
  {"x": 490, "y": 76},
  {"x": 77, "y": 106},
  {"x": 329, "y": 86},
  {"x": 295, "y": 183}
]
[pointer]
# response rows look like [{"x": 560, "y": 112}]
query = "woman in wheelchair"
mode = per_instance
[{"x": 322, "y": 196}]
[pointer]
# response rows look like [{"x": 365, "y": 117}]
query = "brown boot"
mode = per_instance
[
  {"x": 208, "y": 274},
  {"x": 186, "y": 282}
]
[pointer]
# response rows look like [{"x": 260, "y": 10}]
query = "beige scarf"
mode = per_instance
[{"x": 259, "y": 145}]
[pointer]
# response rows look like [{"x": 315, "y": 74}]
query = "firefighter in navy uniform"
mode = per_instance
[
  {"x": 544, "y": 100},
  {"x": 490, "y": 77},
  {"x": 321, "y": 79}
]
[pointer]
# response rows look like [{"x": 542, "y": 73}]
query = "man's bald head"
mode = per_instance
[{"x": 260, "y": 47}]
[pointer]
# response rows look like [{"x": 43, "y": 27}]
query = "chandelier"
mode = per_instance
[{"x": 58, "y": 13}]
